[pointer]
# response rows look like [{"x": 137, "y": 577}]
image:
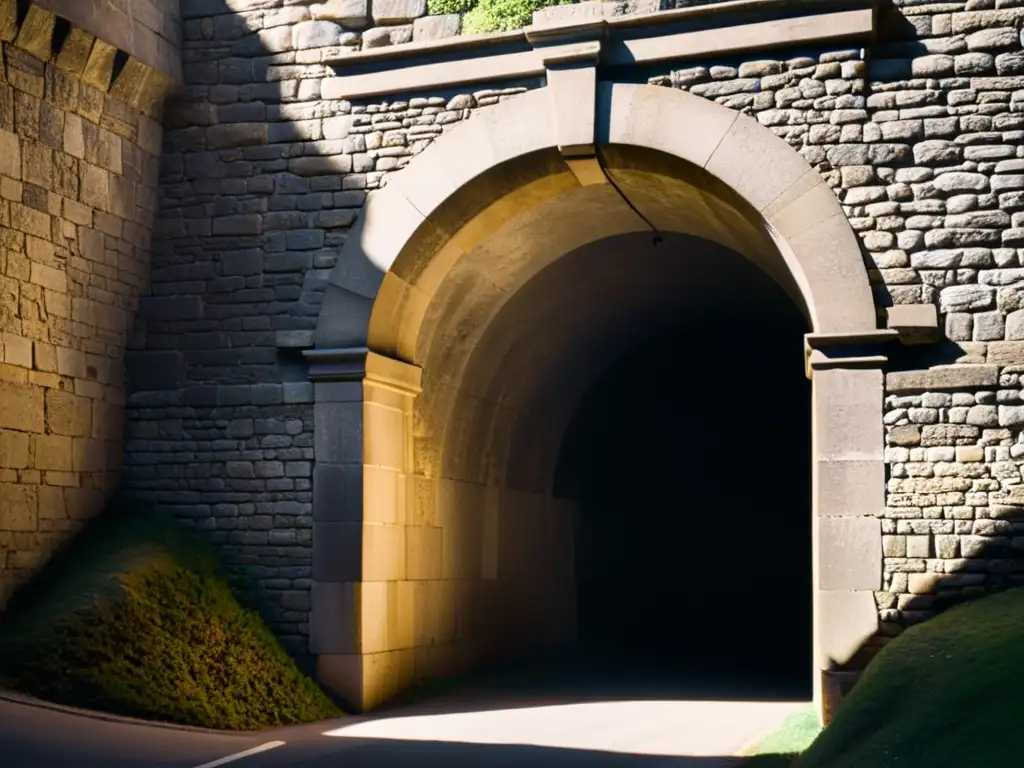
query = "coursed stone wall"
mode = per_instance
[
  {"x": 79, "y": 152},
  {"x": 921, "y": 139},
  {"x": 261, "y": 180}
]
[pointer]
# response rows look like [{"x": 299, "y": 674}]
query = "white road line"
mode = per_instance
[{"x": 239, "y": 755}]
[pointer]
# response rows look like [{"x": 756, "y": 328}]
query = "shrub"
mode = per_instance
[
  {"x": 137, "y": 618},
  {"x": 504, "y": 15},
  {"x": 440, "y": 7}
]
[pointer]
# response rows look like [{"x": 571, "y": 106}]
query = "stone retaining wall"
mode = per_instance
[
  {"x": 919, "y": 137},
  {"x": 79, "y": 149},
  {"x": 261, "y": 180}
]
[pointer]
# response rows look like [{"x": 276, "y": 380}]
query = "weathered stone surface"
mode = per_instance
[
  {"x": 381, "y": 36},
  {"x": 436, "y": 27},
  {"x": 316, "y": 34},
  {"x": 943, "y": 377},
  {"x": 354, "y": 14},
  {"x": 955, "y": 181},
  {"x": 398, "y": 11},
  {"x": 966, "y": 297},
  {"x": 266, "y": 170},
  {"x": 236, "y": 135}
]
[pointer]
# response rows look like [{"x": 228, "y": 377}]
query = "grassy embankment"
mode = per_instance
[
  {"x": 945, "y": 694},
  {"x": 137, "y": 617}
]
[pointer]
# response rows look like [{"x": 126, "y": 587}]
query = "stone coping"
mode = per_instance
[{"x": 747, "y": 25}]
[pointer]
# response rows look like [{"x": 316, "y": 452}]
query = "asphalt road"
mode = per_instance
[{"x": 483, "y": 726}]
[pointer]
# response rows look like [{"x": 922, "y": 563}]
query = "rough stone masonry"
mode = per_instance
[
  {"x": 209, "y": 268},
  {"x": 80, "y": 140}
]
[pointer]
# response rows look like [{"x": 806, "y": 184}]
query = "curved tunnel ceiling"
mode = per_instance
[{"x": 546, "y": 344}]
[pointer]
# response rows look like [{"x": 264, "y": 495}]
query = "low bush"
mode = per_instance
[{"x": 503, "y": 15}]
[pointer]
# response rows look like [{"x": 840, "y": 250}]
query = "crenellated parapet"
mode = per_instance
[
  {"x": 82, "y": 86},
  {"x": 133, "y": 55}
]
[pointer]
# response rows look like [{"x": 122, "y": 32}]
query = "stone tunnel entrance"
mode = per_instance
[
  {"x": 691, "y": 468},
  {"x": 492, "y": 285}
]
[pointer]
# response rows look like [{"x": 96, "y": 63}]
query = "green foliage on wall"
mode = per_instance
[
  {"x": 440, "y": 7},
  {"x": 481, "y": 16},
  {"x": 503, "y": 15}
]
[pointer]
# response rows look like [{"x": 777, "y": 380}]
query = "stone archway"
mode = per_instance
[{"x": 426, "y": 436}]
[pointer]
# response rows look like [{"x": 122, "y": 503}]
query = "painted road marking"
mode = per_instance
[{"x": 240, "y": 755}]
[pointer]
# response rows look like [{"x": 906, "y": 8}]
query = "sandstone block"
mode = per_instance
[
  {"x": 316, "y": 34},
  {"x": 983, "y": 416},
  {"x": 922, "y": 583},
  {"x": 974, "y": 63},
  {"x": 349, "y": 13},
  {"x": 935, "y": 65},
  {"x": 398, "y": 11},
  {"x": 436, "y": 27},
  {"x": 236, "y": 135},
  {"x": 1015, "y": 325},
  {"x": 936, "y": 152},
  {"x": 20, "y": 507},
  {"x": 961, "y": 298},
  {"x": 999, "y": 38},
  {"x": 1011, "y": 415},
  {"x": 10, "y": 155},
  {"x": 68, "y": 414},
  {"x": 961, "y": 181},
  {"x": 14, "y": 449},
  {"x": 52, "y": 452},
  {"x": 379, "y": 37},
  {"x": 1005, "y": 352},
  {"x": 23, "y": 407},
  {"x": 909, "y": 434}
]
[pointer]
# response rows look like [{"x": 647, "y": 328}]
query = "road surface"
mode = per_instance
[{"x": 473, "y": 726}]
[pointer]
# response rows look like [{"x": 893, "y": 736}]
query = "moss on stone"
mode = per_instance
[
  {"x": 504, "y": 15},
  {"x": 136, "y": 617},
  {"x": 440, "y": 7}
]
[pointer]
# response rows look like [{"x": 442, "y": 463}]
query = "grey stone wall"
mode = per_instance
[
  {"x": 921, "y": 139},
  {"x": 318, "y": 29},
  {"x": 79, "y": 148},
  {"x": 953, "y": 521},
  {"x": 260, "y": 181}
]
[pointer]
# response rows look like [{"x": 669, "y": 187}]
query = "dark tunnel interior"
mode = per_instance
[{"x": 690, "y": 458}]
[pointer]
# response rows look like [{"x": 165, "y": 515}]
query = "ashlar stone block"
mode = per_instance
[
  {"x": 398, "y": 11},
  {"x": 354, "y": 14}
]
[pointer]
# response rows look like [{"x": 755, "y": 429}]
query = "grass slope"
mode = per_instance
[
  {"x": 782, "y": 747},
  {"x": 947, "y": 693},
  {"x": 137, "y": 618}
]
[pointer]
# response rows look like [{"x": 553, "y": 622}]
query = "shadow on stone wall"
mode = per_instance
[
  {"x": 261, "y": 180},
  {"x": 220, "y": 417}
]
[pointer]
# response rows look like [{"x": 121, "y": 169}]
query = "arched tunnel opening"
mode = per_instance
[
  {"x": 690, "y": 461},
  {"x": 627, "y": 458}
]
